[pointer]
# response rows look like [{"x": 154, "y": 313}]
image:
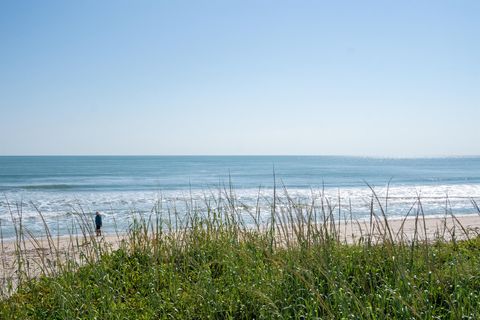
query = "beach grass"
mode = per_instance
[{"x": 297, "y": 264}]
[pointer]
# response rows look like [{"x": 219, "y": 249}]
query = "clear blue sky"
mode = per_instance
[{"x": 380, "y": 78}]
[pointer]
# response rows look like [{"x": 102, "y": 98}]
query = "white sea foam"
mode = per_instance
[{"x": 60, "y": 208}]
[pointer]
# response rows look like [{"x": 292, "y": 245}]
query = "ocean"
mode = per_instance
[{"x": 118, "y": 186}]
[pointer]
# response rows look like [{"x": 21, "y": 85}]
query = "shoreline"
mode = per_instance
[{"x": 469, "y": 222}]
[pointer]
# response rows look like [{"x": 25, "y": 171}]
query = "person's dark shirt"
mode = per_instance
[{"x": 98, "y": 220}]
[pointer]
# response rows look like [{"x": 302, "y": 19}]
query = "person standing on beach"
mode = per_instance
[{"x": 98, "y": 224}]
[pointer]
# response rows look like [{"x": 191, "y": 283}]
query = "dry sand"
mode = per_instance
[
  {"x": 32, "y": 257},
  {"x": 430, "y": 228}
]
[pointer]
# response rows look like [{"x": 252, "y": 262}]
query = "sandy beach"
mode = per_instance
[
  {"x": 430, "y": 228},
  {"x": 32, "y": 257}
]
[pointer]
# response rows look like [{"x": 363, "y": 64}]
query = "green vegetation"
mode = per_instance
[{"x": 214, "y": 266}]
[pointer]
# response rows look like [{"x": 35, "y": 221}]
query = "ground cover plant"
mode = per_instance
[{"x": 211, "y": 264}]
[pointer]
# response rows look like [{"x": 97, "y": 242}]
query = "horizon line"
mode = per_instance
[{"x": 249, "y": 155}]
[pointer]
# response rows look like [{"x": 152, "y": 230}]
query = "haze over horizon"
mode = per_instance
[{"x": 366, "y": 78}]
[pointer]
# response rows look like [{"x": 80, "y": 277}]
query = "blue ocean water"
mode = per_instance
[{"x": 117, "y": 185}]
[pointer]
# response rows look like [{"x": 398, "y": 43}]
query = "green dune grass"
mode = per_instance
[{"x": 216, "y": 267}]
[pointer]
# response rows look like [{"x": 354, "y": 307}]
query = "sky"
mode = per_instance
[{"x": 363, "y": 78}]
